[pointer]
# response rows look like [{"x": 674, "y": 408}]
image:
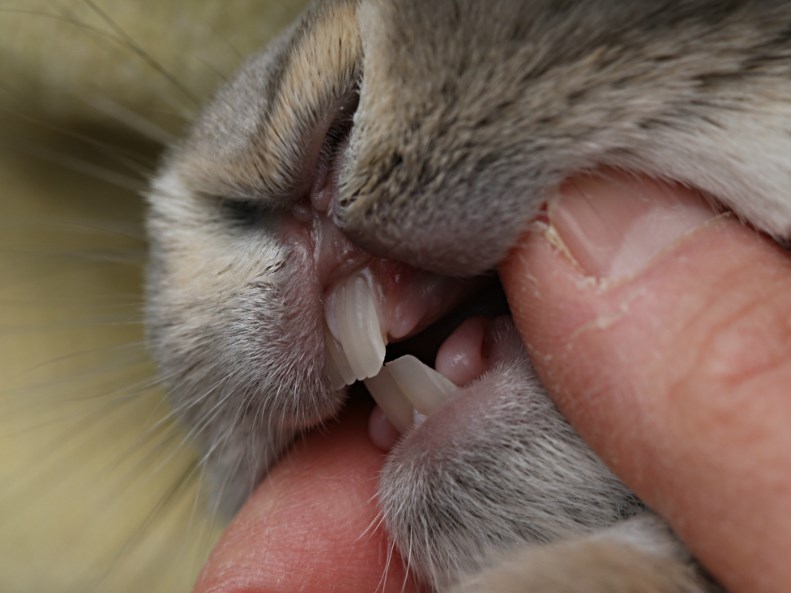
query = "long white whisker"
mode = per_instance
[
  {"x": 132, "y": 120},
  {"x": 133, "y": 161},
  {"x": 145, "y": 56}
]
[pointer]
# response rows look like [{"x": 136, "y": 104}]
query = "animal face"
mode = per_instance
[{"x": 356, "y": 181}]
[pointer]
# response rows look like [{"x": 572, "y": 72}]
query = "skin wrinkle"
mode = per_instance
[
  {"x": 726, "y": 372},
  {"x": 752, "y": 342}
]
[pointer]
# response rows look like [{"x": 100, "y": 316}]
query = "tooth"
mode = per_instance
[
  {"x": 359, "y": 331},
  {"x": 386, "y": 392},
  {"x": 336, "y": 364},
  {"x": 422, "y": 385}
]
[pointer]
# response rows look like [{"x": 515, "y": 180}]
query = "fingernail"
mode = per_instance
[{"x": 614, "y": 227}]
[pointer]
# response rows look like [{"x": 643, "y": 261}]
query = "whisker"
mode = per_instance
[
  {"x": 119, "y": 395},
  {"x": 83, "y": 167},
  {"x": 68, "y": 453},
  {"x": 122, "y": 396},
  {"x": 388, "y": 563},
  {"x": 138, "y": 348},
  {"x": 168, "y": 500},
  {"x": 108, "y": 303},
  {"x": 407, "y": 565},
  {"x": 73, "y": 324},
  {"x": 103, "y": 257},
  {"x": 63, "y": 18},
  {"x": 144, "y": 464},
  {"x": 131, "y": 160},
  {"x": 62, "y": 446},
  {"x": 145, "y": 56},
  {"x": 132, "y": 120},
  {"x": 75, "y": 225}
]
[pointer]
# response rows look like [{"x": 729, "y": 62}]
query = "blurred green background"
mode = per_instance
[{"x": 98, "y": 491}]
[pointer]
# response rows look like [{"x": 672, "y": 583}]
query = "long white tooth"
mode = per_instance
[
  {"x": 336, "y": 364},
  {"x": 422, "y": 385},
  {"x": 386, "y": 392},
  {"x": 359, "y": 330}
]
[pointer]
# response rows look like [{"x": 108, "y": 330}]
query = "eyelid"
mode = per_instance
[{"x": 245, "y": 212}]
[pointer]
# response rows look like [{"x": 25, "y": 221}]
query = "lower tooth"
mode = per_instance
[
  {"x": 422, "y": 385},
  {"x": 337, "y": 366},
  {"x": 391, "y": 400},
  {"x": 407, "y": 391}
]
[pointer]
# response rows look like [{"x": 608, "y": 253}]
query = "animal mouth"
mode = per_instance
[
  {"x": 410, "y": 373},
  {"x": 414, "y": 338}
]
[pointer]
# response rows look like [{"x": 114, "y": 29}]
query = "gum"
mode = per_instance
[{"x": 462, "y": 357}]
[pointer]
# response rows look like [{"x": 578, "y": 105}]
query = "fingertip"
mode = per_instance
[{"x": 313, "y": 525}]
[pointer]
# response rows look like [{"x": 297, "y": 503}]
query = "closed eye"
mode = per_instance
[{"x": 244, "y": 212}]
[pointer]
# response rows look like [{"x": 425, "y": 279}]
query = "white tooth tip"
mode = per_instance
[
  {"x": 359, "y": 330},
  {"x": 421, "y": 384},
  {"x": 391, "y": 400},
  {"x": 337, "y": 366}
]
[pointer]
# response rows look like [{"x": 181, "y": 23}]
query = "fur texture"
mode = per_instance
[{"x": 468, "y": 115}]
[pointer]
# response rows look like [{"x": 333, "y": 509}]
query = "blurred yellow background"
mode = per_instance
[{"x": 98, "y": 491}]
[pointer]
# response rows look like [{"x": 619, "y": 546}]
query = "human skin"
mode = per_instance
[
  {"x": 662, "y": 331},
  {"x": 676, "y": 369},
  {"x": 311, "y": 526}
]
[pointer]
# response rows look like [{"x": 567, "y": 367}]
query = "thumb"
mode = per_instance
[{"x": 663, "y": 332}]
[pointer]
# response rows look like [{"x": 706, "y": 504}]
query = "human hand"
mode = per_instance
[{"x": 667, "y": 344}]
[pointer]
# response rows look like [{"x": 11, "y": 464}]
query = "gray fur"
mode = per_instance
[
  {"x": 470, "y": 113},
  {"x": 484, "y": 118}
]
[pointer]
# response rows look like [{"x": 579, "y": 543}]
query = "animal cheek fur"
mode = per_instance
[{"x": 247, "y": 318}]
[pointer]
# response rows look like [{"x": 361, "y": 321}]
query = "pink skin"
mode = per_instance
[
  {"x": 382, "y": 433},
  {"x": 462, "y": 358},
  {"x": 308, "y": 528},
  {"x": 677, "y": 375},
  {"x": 708, "y": 455}
]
